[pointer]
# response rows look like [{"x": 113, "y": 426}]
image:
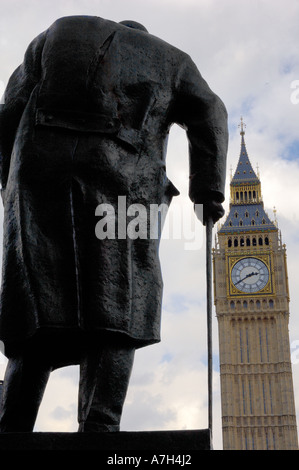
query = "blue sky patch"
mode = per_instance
[{"x": 291, "y": 151}]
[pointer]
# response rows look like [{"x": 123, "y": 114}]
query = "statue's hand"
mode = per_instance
[{"x": 209, "y": 209}]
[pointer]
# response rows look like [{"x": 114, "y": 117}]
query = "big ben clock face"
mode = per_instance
[{"x": 250, "y": 275}]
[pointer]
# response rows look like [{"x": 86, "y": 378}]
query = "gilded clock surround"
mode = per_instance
[{"x": 233, "y": 291}]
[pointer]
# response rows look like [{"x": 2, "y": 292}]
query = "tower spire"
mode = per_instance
[
  {"x": 244, "y": 171},
  {"x": 246, "y": 203}
]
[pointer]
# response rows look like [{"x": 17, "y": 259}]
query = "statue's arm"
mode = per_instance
[
  {"x": 16, "y": 95},
  {"x": 204, "y": 117}
]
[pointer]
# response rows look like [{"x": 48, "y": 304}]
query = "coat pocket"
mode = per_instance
[{"x": 77, "y": 120}]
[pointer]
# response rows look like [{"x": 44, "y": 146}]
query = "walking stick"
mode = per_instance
[{"x": 209, "y": 228}]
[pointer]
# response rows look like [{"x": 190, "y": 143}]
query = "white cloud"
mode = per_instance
[{"x": 58, "y": 411}]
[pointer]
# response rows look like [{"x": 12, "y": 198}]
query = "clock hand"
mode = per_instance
[{"x": 248, "y": 275}]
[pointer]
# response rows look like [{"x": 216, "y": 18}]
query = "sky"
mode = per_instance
[{"x": 248, "y": 53}]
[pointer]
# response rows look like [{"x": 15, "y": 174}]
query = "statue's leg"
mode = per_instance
[
  {"x": 104, "y": 380},
  {"x": 24, "y": 385}
]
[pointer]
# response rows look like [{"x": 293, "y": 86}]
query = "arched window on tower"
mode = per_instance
[
  {"x": 266, "y": 241},
  {"x": 247, "y": 241}
]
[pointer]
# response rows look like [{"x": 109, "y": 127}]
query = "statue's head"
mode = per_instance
[{"x": 134, "y": 25}]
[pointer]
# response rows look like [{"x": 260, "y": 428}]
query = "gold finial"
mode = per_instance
[
  {"x": 242, "y": 126},
  {"x": 257, "y": 170}
]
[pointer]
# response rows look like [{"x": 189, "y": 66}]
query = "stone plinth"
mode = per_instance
[{"x": 152, "y": 442}]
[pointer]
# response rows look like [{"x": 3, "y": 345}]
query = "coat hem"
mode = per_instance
[{"x": 63, "y": 346}]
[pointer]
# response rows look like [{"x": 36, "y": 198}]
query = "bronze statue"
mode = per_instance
[{"x": 85, "y": 120}]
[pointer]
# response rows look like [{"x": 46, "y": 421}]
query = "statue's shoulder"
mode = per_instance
[
  {"x": 85, "y": 24},
  {"x": 80, "y": 28},
  {"x": 74, "y": 19}
]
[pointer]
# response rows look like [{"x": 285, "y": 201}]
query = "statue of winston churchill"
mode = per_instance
[{"x": 85, "y": 119}]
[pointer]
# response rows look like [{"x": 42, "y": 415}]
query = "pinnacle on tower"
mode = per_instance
[{"x": 244, "y": 171}]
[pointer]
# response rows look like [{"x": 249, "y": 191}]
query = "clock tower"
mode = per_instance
[{"x": 252, "y": 308}]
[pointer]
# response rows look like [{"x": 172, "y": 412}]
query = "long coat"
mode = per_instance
[{"x": 85, "y": 120}]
